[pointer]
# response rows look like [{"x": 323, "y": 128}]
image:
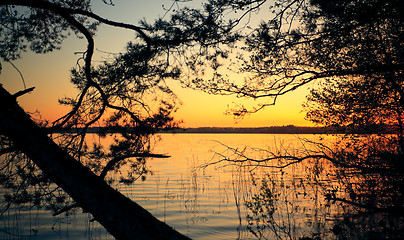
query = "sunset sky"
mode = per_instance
[{"x": 49, "y": 74}]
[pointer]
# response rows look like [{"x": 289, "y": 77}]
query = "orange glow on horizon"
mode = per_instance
[
  {"x": 198, "y": 110},
  {"x": 203, "y": 110},
  {"x": 49, "y": 74}
]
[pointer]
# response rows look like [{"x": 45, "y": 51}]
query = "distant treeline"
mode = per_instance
[{"x": 289, "y": 129}]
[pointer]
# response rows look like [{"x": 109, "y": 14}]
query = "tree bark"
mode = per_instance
[{"x": 122, "y": 217}]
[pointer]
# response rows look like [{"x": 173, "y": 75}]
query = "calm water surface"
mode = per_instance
[{"x": 219, "y": 201}]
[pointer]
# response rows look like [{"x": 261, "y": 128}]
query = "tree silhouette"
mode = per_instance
[
  {"x": 299, "y": 42},
  {"x": 304, "y": 41},
  {"x": 127, "y": 93},
  {"x": 354, "y": 50}
]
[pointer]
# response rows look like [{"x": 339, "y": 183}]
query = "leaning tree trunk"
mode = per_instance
[{"x": 122, "y": 217}]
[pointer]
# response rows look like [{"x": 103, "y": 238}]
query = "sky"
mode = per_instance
[{"x": 49, "y": 74}]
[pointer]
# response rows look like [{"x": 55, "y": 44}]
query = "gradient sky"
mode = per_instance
[{"x": 49, "y": 74}]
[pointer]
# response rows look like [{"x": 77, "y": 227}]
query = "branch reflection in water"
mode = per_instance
[
  {"x": 311, "y": 199},
  {"x": 362, "y": 186}
]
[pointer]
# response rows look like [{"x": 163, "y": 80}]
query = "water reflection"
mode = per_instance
[
  {"x": 307, "y": 200},
  {"x": 280, "y": 206},
  {"x": 360, "y": 202}
]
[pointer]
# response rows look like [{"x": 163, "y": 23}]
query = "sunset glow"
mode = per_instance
[
  {"x": 202, "y": 119},
  {"x": 49, "y": 74}
]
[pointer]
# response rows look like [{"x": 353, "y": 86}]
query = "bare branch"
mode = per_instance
[
  {"x": 20, "y": 93},
  {"x": 110, "y": 165},
  {"x": 19, "y": 72}
]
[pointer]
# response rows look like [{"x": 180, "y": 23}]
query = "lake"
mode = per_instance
[{"x": 206, "y": 199}]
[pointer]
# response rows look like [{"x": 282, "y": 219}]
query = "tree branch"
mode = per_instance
[
  {"x": 110, "y": 165},
  {"x": 394, "y": 209},
  {"x": 22, "y": 92}
]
